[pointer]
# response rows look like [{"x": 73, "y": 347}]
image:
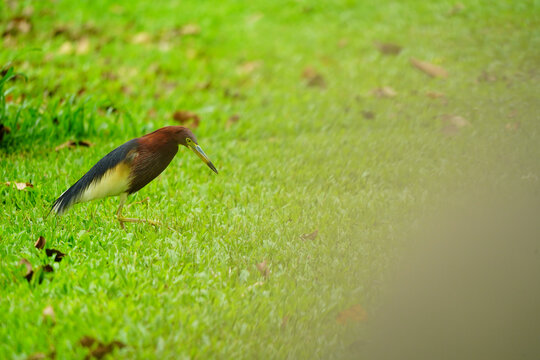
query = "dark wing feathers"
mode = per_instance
[{"x": 109, "y": 161}]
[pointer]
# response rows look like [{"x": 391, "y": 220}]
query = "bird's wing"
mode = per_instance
[{"x": 109, "y": 176}]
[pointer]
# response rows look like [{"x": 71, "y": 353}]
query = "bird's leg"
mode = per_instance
[{"x": 122, "y": 220}]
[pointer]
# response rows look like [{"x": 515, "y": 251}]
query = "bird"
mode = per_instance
[{"x": 129, "y": 168}]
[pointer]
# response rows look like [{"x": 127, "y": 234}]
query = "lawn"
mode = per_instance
[{"x": 329, "y": 145}]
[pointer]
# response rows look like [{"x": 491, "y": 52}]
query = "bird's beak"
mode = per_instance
[{"x": 200, "y": 153}]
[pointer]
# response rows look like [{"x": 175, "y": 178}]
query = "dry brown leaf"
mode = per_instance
[
  {"x": 233, "y": 120},
  {"x": 109, "y": 75},
  {"x": 62, "y": 29},
  {"x": 313, "y": 78},
  {"x": 384, "y": 92},
  {"x": 450, "y": 130},
  {"x": 20, "y": 185},
  {"x": 388, "y": 48},
  {"x": 310, "y": 236},
  {"x": 456, "y": 9},
  {"x": 429, "y": 68},
  {"x": 48, "y": 313},
  {"x": 141, "y": 38},
  {"x": 83, "y": 46},
  {"x": 486, "y": 77},
  {"x": 435, "y": 95},
  {"x": 71, "y": 144},
  {"x": 233, "y": 94},
  {"x": 187, "y": 118},
  {"x": 40, "y": 243},
  {"x": 368, "y": 115},
  {"x": 512, "y": 126},
  {"x": 263, "y": 268},
  {"x": 47, "y": 268},
  {"x": 29, "y": 272},
  {"x": 456, "y": 120},
  {"x": 87, "y": 341},
  {"x": 37, "y": 356},
  {"x": 152, "y": 113},
  {"x": 190, "y": 29},
  {"x": 355, "y": 313},
  {"x": 57, "y": 253},
  {"x": 66, "y": 48},
  {"x": 17, "y": 25},
  {"x": 248, "y": 67},
  {"x": 204, "y": 85},
  {"x": 4, "y": 130},
  {"x": 98, "y": 349}
]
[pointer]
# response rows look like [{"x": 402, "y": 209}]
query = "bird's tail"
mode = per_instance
[{"x": 65, "y": 201}]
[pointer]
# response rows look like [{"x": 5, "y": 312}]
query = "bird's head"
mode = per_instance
[{"x": 185, "y": 137}]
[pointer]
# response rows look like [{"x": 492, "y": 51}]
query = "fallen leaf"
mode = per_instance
[
  {"x": 48, "y": 313},
  {"x": 66, "y": 48},
  {"x": 232, "y": 120},
  {"x": 450, "y": 130},
  {"x": 429, "y": 68},
  {"x": 98, "y": 349},
  {"x": 189, "y": 29},
  {"x": 37, "y": 356},
  {"x": 73, "y": 144},
  {"x": 310, "y": 236},
  {"x": 204, "y": 85},
  {"x": 263, "y": 268},
  {"x": 83, "y": 46},
  {"x": 456, "y": 9},
  {"x": 40, "y": 243},
  {"x": 355, "y": 313},
  {"x": 368, "y": 115},
  {"x": 513, "y": 126},
  {"x": 313, "y": 78},
  {"x": 47, "y": 268},
  {"x": 384, "y": 92},
  {"x": 141, "y": 38},
  {"x": 57, "y": 253},
  {"x": 151, "y": 113},
  {"x": 248, "y": 67},
  {"x": 486, "y": 77},
  {"x": 233, "y": 94},
  {"x": 456, "y": 120},
  {"x": 29, "y": 272},
  {"x": 187, "y": 117},
  {"x": 62, "y": 30},
  {"x": 17, "y": 25},
  {"x": 435, "y": 95},
  {"x": 87, "y": 341},
  {"x": 388, "y": 48},
  {"x": 19, "y": 185},
  {"x": 4, "y": 130},
  {"x": 108, "y": 75}
]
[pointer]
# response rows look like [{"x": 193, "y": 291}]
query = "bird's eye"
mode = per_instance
[{"x": 188, "y": 140}]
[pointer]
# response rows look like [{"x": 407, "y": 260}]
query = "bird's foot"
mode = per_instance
[
  {"x": 123, "y": 220},
  {"x": 143, "y": 201}
]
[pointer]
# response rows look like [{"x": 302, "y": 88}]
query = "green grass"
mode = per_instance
[{"x": 300, "y": 158}]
